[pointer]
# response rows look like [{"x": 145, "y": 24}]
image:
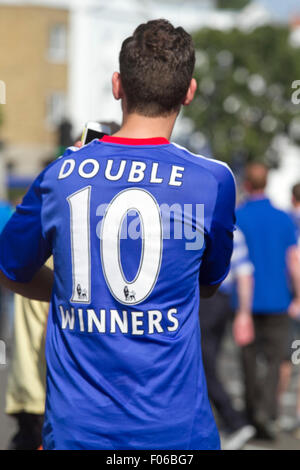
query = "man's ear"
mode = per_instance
[
  {"x": 190, "y": 93},
  {"x": 117, "y": 88}
]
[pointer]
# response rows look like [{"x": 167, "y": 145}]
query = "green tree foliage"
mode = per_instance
[
  {"x": 232, "y": 4},
  {"x": 245, "y": 90}
]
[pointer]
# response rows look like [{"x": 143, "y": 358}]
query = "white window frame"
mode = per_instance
[{"x": 58, "y": 43}]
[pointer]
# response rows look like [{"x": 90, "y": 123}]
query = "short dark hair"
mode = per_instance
[
  {"x": 256, "y": 175},
  {"x": 296, "y": 192},
  {"x": 156, "y": 67}
]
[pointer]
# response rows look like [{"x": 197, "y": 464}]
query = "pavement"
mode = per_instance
[{"x": 230, "y": 372}]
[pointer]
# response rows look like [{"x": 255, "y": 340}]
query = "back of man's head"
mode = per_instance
[
  {"x": 296, "y": 195},
  {"x": 156, "y": 67},
  {"x": 256, "y": 176}
]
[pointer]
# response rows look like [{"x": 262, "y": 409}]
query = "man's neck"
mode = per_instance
[
  {"x": 257, "y": 195},
  {"x": 136, "y": 126}
]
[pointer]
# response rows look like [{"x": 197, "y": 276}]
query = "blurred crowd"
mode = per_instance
[{"x": 261, "y": 296}]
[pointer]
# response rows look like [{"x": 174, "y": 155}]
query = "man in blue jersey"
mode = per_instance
[
  {"x": 271, "y": 238},
  {"x": 133, "y": 251}
]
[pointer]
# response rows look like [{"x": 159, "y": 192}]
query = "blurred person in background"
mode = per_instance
[
  {"x": 25, "y": 394},
  {"x": 271, "y": 238},
  {"x": 294, "y": 311},
  {"x": 64, "y": 136},
  {"x": 25, "y": 397},
  {"x": 295, "y": 213},
  {"x": 6, "y": 210},
  {"x": 215, "y": 314}
]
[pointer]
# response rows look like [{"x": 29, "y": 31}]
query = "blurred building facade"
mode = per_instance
[
  {"x": 34, "y": 67},
  {"x": 57, "y": 58}
]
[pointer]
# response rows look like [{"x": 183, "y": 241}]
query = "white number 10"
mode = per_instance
[{"x": 137, "y": 290}]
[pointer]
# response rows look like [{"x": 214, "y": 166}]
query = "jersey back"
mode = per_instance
[{"x": 133, "y": 227}]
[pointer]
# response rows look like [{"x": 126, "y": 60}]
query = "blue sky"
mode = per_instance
[{"x": 282, "y": 8}]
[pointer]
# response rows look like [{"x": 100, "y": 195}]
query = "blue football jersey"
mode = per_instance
[{"x": 134, "y": 226}]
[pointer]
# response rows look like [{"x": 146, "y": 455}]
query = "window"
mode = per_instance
[
  {"x": 2, "y": 92},
  {"x": 56, "y": 107},
  {"x": 57, "y": 51}
]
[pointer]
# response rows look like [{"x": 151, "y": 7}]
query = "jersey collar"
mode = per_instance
[{"x": 126, "y": 141}]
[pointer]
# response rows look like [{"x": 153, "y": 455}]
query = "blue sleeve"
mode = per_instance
[
  {"x": 219, "y": 241},
  {"x": 5, "y": 214},
  {"x": 23, "y": 245}
]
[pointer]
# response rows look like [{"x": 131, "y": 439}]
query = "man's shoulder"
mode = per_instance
[
  {"x": 269, "y": 210},
  {"x": 218, "y": 169},
  {"x": 281, "y": 214},
  {"x": 69, "y": 154},
  {"x": 287, "y": 219},
  {"x": 77, "y": 152},
  {"x": 73, "y": 151}
]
